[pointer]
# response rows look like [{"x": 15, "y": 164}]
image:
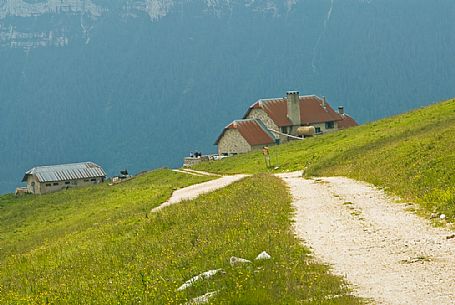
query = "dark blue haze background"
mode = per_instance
[{"x": 144, "y": 93}]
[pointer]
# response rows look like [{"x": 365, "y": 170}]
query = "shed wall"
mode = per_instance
[
  {"x": 49, "y": 187},
  {"x": 33, "y": 185}
]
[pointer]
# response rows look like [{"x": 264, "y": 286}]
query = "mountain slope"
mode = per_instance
[
  {"x": 411, "y": 155},
  {"x": 140, "y": 84},
  {"x": 113, "y": 253},
  {"x": 100, "y": 243}
]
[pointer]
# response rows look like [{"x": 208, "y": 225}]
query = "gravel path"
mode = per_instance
[
  {"x": 389, "y": 255},
  {"x": 195, "y": 190},
  {"x": 186, "y": 172},
  {"x": 194, "y": 172}
]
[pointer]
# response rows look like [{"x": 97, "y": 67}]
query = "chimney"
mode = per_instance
[
  {"x": 293, "y": 102},
  {"x": 341, "y": 110},
  {"x": 324, "y": 102}
]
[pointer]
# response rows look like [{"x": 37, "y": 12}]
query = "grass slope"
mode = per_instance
[
  {"x": 95, "y": 246},
  {"x": 411, "y": 155},
  {"x": 27, "y": 222}
]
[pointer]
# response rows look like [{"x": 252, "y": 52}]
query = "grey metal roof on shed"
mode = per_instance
[{"x": 66, "y": 172}]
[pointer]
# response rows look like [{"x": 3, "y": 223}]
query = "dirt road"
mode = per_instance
[
  {"x": 195, "y": 190},
  {"x": 193, "y": 172},
  {"x": 390, "y": 255}
]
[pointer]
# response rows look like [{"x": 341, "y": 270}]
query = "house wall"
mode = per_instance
[
  {"x": 268, "y": 122},
  {"x": 292, "y": 130},
  {"x": 232, "y": 142},
  {"x": 325, "y": 130},
  {"x": 49, "y": 187},
  {"x": 322, "y": 127},
  {"x": 264, "y": 117}
]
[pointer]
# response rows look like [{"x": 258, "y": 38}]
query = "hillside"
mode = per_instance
[
  {"x": 27, "y": 222},
  {"x": 102, "y": 245},
  {"x": 411, "y": 155},
  {"x": 123, "y": 83}
]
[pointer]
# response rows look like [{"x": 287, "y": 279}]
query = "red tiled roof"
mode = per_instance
[
  {"x": 252, "y": 130},
  {"x": 311, "y": 110},
  {"x": 277, "y": 111},
  {"x": 346, "y": 122}
]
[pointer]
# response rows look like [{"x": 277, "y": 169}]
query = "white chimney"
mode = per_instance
[{"x": 293, "y": 103}]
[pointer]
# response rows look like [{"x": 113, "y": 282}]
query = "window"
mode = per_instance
[
  {"x": 67, "y": 182},
  {"x": 55, "y": 183},
  {"x": 93, "y": 179},
  {"x": 317, "y": 130},
  {"x": 86, "y": 180},
  {"x": 48, "y": 184},
  {"x": 284, "y": 130},
  {"x": 329, "y": 125}
]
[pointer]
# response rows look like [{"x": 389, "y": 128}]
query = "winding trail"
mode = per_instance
[
  {"x": 193, "y": 172},
  {"x": 390, "y": 255},
  {"x": 193, "y": 191},
  {"x": 186, "y": 172}
]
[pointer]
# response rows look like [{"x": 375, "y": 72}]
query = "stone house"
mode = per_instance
[
  {"x": 47, "y": 179},
  {"x": 281, "y": 119},
  {"x": 286, "y": 115},
  {"x": 242, "y": 136}
]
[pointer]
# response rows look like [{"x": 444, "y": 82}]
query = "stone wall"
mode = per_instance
[
  {"x": 264, "y": 117},
  {"x": 232, "y": 142},
  {"x": 190, "y": 161},
  {"x": 268, "y": 122}
]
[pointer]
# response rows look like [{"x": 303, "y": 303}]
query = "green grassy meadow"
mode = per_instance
[
  {"x": 30, "y": 221},
  {"x": 101, "y": 244},
  {"x": 410, "y": 155},
  {"x": 96, "y": 246}
]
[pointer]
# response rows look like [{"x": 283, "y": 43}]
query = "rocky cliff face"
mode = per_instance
[
  {"x": 154, "y": 8},
  {"x": 55, "y": 17},
  {"x": 34, "y": 24}
]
